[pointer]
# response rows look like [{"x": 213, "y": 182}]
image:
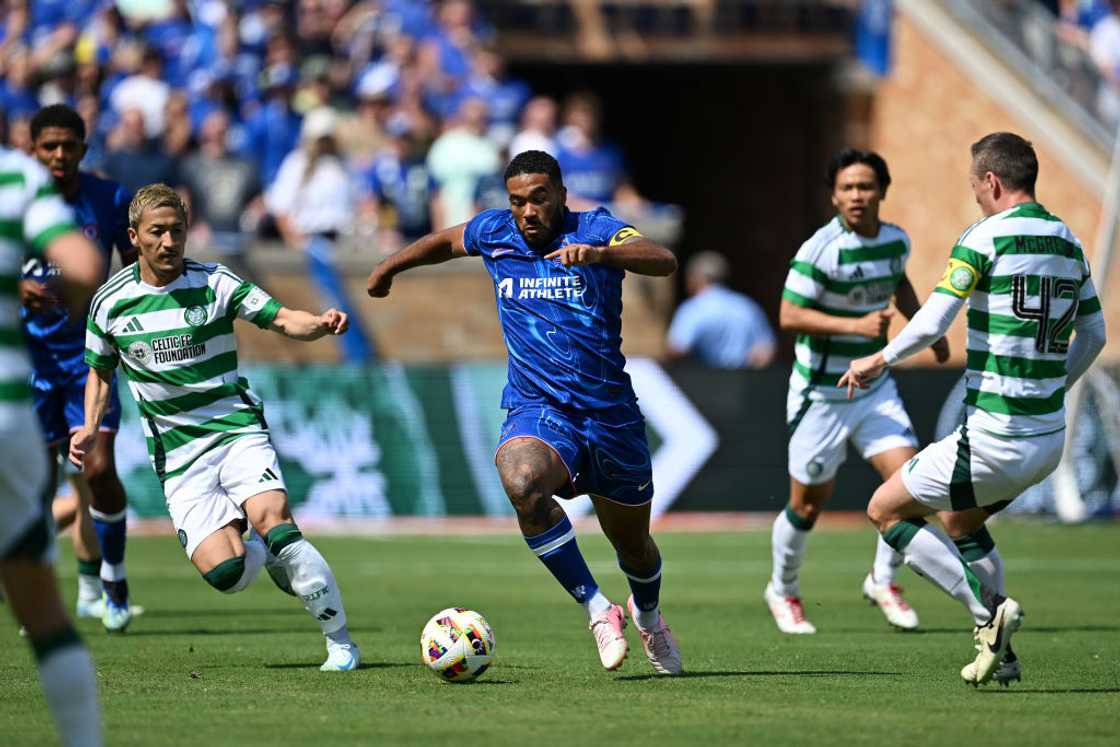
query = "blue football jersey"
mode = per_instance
[
  {"x": 562, "y": 325},
  {"x": 57, "y": 342}
]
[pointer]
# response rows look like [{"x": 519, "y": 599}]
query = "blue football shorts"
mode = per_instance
[{"x": 605, "y": 451}]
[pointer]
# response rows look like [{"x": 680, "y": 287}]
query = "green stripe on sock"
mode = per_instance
[
  {"x": 799, "y": 522},
  {"x": 225, "y": 574},
  {"x": 976, "y": 545},
  {"x": 64, "y": 638},
  {"x": 900, "y": 534},
  {"x": 973, "y": 582},
  {"x": 280, "y": 536},
  {"x": 89, "y": 567}
]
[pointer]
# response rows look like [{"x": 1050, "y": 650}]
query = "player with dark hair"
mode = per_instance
[
  {"x": 836, "y": 299},
  {"x": 1029, "y": 290},
  {"x": 573, "y": 423},
  {"x": 57, "y": 345}
]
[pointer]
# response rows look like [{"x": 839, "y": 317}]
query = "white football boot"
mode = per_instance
[
  {"x": 607, "y": 629},
  {"x": 992, "y": 642},
  {"x": 341, "y": 657},
  {"x": 888, "y": 598},
  {"x": 788, "y": 612}
]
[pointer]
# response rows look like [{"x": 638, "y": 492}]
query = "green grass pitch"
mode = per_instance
[{"x": 202, "y": 668}]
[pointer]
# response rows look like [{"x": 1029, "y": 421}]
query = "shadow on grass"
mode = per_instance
[
  {"x": 223, "y": 611},
  {"x": 132, "y": 632},
  {"x": 363, "y": 665},
  {"x": 806, "y": 673},
  {"x": 1053, "y": 691},
  {"x": 1027, "y": 628}
]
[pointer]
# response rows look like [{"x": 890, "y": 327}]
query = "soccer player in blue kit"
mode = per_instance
[
  {"x": 573, "y": 425},
  {"x": 56, "y": 342}
]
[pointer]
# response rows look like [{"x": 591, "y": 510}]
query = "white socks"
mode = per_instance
[
  {"x": 70, "y": 687},
  {"x": 89, "y": 587},
  {"x": 596, "y": 604},
  {"x": 312, "y": 580},
  {"x": 787, "y": 543},
  {"x": 255, "y": 552},
  {"x": 934, "y": 556},
  {"x": 887, "y": 561},
  {"x": 989, "y": 569}
]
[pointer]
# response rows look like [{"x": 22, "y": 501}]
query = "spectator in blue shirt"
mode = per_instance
[
  {"x": 399, "y": 189},
  {"x": 594, "y": 170},
  {"x": 272, "y": 132},
  {"x": 716, "y": 325}
]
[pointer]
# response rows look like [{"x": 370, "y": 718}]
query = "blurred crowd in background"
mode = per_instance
[{"x": 295, "y": 119}]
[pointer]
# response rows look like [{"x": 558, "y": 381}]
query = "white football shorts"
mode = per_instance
[
  {"x": 820, "y": 431},
  {"x": 25, "y": 525},
  {"x": 970, "y": 468},
  {"x": 209, "y": 495}
]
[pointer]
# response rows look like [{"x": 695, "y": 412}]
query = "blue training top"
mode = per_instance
[
  {"x": 57, "y": 342},
  {"x": 562, "y": 325}
]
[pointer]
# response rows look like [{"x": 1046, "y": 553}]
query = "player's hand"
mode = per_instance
[
  {"x": 873, "y": 325},
  {"x": 861, "y": 371},
  {"x": 334, "y": 322},
  {"x": 36, "y": 297},
  {"x": 379, "y": 283},
  {"x": 578, "y": 254},
  {"x": 941, "y": 350},
  {"x": 81, "y": 443}
]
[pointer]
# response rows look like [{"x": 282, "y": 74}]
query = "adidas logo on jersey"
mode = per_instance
[
  {"x": 134, "y": 325},
  {"x": 268, "y": 476}
]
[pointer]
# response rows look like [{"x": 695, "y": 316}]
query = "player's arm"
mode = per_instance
[
  {"x": 930, "y": 323},
  {"x": 805, "y": 320},
  {"x": 634, "y": 253},
  {"x": 802, "y": 313},
  {"x": 1089, "y": 334},
  {"x": 907, "y": 302},
  {"x": 81, "y": 265},
  {"x": 99, "y": 384},
  {"x": 430, "y": 250},
  {"x": 303, "y": 325}
]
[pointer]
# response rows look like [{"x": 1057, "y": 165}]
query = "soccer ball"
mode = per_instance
[{"x": 457, "y": 644}]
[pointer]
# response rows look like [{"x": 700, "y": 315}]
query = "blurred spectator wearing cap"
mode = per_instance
[
  {"x": 362, "y": 135},
  {"x": 400, "y": 191},
  {"x": 538, "y": 127},
  {"x": 133, "y": 159},
  {"x": 312, "y": 194},
  {"x": 459, "y": 158},
  {"x": 144, "y": 90},
  {"x": 273, "y": 131},
  {"x": 593, "y": 170},
  {"x": 716, "y": 325},
  {"x": 312, "y": 202},
  {"x": 221, "y": 186}
]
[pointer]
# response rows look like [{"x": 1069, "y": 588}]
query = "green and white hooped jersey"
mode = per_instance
[
  {"x": 1027, "y": 281},
  {"x": 178, "y": 351},
  {"x": 841, "y": 273},
  {"x": 32, "y": 214}
]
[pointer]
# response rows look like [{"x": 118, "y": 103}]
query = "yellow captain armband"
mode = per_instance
[
  {"x": 959, "y": 280},
  {"x": 622, "y": 234}
]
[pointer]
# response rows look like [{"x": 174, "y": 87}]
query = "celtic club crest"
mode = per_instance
[{"x": 195, "y": 316}]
